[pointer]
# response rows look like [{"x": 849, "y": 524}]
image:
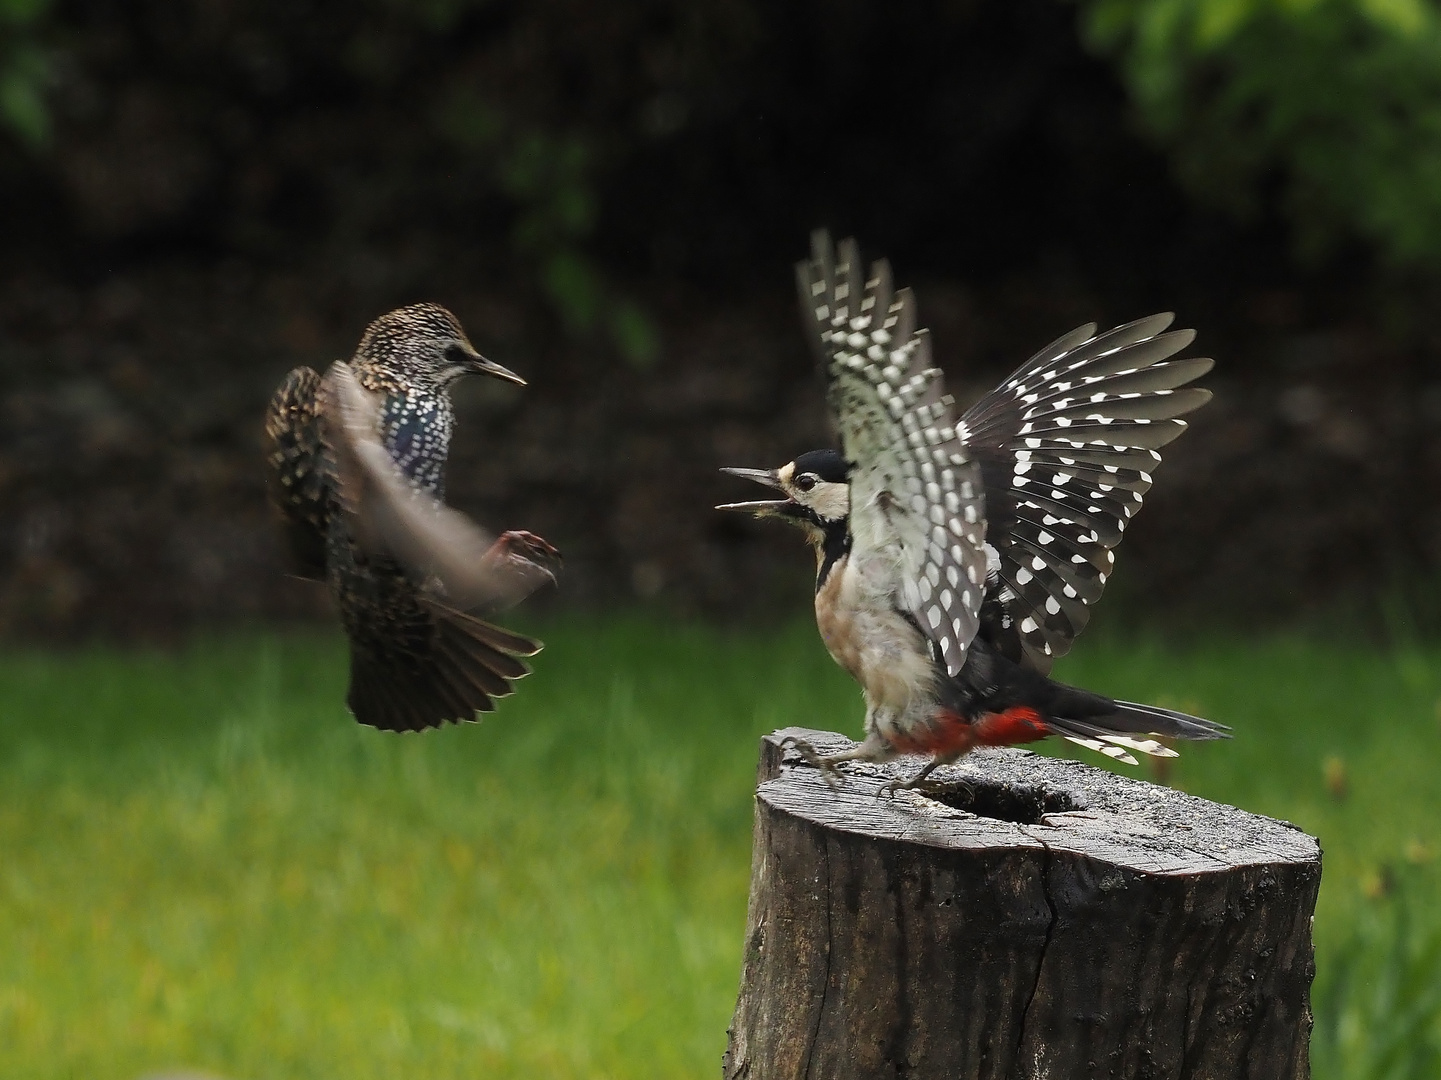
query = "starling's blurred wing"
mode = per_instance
[
  {"x": 297, "y": 474},
  {"x": 390, "y": 514},
  {"x": 1067, "y": 446},
  {"x": 915, "y": 491}
]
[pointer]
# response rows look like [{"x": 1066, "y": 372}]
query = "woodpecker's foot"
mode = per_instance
[
  {"x": 811, "y": 756},
  {"x": 933, "y": 788},
  {"x": 526, "y": 551},
  {"x": 920, "y": 782}
]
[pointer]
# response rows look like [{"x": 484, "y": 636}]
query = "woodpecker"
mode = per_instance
[
  {"x": 956, "y": 560},
  {"x": 356, "y": 464}
]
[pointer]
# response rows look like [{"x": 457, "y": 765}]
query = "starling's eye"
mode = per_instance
[
  {"x": 454, "y": 354},
  {"x": 806, "y": 481}
]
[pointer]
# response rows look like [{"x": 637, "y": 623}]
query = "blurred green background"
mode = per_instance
[
  {"x": 207, "y": 864},
  {"x": 204, "y": 863}
]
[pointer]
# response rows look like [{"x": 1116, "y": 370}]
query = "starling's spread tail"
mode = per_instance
[
  {"x": 1126, "y": 726},
  {"x": 465, "y": 664}
]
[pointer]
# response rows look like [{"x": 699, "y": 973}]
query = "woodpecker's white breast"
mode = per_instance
[{"x": 883, "y": 651}]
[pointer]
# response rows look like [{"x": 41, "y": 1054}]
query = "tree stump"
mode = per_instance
[{"x": 1037, "y": 919}]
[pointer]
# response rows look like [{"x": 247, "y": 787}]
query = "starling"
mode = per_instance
[{"x": 357, "y": 472}]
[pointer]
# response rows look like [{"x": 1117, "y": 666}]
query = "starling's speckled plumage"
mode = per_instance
[{"x": 357, "y": 471}]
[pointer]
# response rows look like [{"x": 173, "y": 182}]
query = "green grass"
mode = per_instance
[{"x": 203, "y": 862}]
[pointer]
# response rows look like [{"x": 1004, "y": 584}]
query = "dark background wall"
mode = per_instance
[{"x": 610, "y": 196}]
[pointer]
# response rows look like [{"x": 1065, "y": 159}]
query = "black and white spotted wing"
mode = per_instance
[
  {"x": 915, "y": 491},
  {"x": 1067, "y": 447}
]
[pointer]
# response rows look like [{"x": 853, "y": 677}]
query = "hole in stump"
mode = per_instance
[{"x": 1023, "y": 804}]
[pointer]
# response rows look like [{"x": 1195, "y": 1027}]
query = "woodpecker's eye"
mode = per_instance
[{"x": 806, "y": 481}]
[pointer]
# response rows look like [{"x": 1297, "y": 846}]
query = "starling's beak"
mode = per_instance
[
  {"x": 479, "y": 365},
  {"x": 763, "y": 507}
]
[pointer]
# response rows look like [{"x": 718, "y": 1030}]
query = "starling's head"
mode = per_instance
[
  {"x": 424, "y": 343},
  {"x": 817, "y": 495}
]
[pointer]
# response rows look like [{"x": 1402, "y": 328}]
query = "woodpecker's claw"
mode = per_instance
[
  {"x": 919, "y": 782},
  {"x": 814, "y": 758},
  {"x": 925, "y": 787}
]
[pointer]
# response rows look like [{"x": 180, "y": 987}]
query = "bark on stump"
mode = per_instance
[{"x": 1039, "y": 919}]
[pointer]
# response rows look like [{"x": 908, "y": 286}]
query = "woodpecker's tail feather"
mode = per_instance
[
  {"x": 464, "y": 666},
  {"x": 1154, "y": 720},
  {"x": 1123, "y": 729}
]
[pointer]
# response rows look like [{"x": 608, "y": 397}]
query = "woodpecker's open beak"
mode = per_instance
[
  {"x": 479, "y": 365},
  {"x": 762, "y": 507}
]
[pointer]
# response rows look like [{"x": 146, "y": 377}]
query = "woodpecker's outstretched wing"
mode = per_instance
[
  {"x": 1067, "y": 446},
  {"x": 390, "y": 514},
  {"x": 915, "y": 491}
]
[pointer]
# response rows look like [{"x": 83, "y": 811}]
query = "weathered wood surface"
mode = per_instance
[{"x": 1078, "y": 924}]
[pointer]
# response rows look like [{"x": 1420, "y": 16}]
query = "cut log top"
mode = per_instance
[
  {"x": 1032, "y": 919},
  {"x": 1012, "y": 798}
]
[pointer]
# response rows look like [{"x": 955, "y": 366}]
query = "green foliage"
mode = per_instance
[
  {"x": 24, "y": 68},
  {"x": 551, "y": 178},
  {"x": 496, "y": 135},
  {"x": 634, "y": 333},
  {"x": 207, "y": 864},
  {"x": 1337, "y": 100}
]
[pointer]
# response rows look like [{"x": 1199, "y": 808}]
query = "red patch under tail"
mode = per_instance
[
  {"x": 1015, "y": 725},
  {"x": 950, "y": 734}
]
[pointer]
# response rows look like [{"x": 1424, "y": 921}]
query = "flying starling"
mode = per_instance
[{"x": 357, "y": 471}]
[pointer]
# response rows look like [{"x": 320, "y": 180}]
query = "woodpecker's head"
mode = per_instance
[
  {"x": 424, "y": 344},
  {"x": 817, "y": 496}
]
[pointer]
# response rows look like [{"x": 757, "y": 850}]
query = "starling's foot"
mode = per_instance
[
  {"x": 526, "y": 551},
  {"x": 814, "y": 758}
]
